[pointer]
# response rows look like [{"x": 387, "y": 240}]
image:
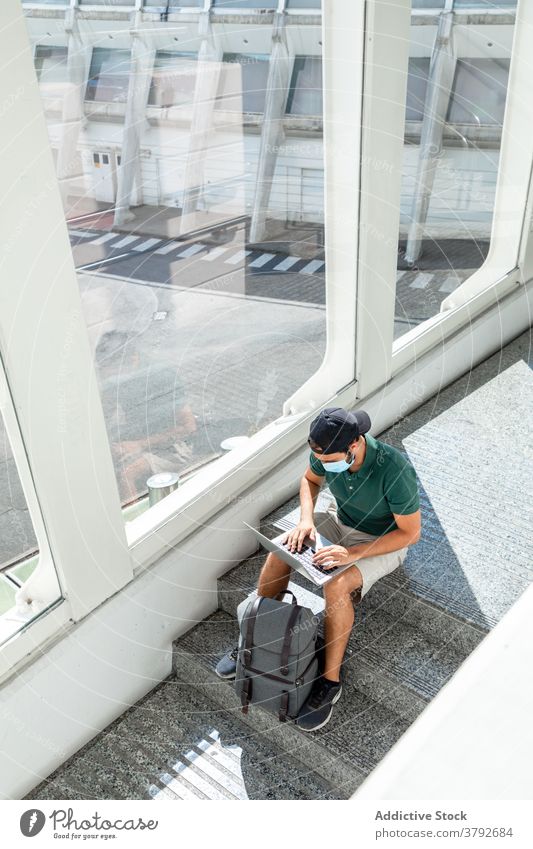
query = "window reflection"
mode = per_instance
[
  {"x": 191, "y": 168},
  {"x": 108, "y": 75},
  {"x": 454, "y": 114},
  {"x": 305, "y": 94},
  {"x": 173, "y": 80},
  {"x": 249, "y": 84}
]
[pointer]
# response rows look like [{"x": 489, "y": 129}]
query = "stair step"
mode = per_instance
[
  {"x": 359, "y": 734},
  {"x": 176, "y": 744}
]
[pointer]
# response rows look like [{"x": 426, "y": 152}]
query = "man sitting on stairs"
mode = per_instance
[{"x": 377, "y": 518}]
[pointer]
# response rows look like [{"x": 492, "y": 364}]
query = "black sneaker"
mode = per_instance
[
  {"x": 227, "y": 665},
  {"x": 317, "y": 710}
]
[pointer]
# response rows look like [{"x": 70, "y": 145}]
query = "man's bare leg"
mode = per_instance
[
  {"x": 274, "y": 576},
  {"x": 339, "y": 619}
]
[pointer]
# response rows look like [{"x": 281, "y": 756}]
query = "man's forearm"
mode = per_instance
[
  {"x": 392, "y": 541},
  {"x": 308, "y": 496}
]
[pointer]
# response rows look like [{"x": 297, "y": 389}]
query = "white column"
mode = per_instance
[
  {"x": 207, "y": 79},
  {"x": 272, "y": 132},
  {"x": 441, "y": 74},
  {"x": 129, "y": 173},
  {"x": 69, "y": 164}
]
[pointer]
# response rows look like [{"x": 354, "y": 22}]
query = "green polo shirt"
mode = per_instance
[{"x": 385, "y": 484}]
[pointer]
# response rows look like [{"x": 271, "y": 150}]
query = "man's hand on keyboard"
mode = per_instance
[
  {"x": 332, "y": 556},
  {"x": 295, "y": 538}
]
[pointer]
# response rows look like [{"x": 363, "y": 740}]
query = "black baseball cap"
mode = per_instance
[{"x": 335, "y": 428}]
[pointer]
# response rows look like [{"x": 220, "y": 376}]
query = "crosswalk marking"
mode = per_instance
[
  {"x": 312, "y": 266},
  {"x": 191, "y": 250},
  {"x": 449, "y": 285},
  {"x": 399, "y": 275},
  {"x": 286, "y": 264},
  {"x": 165, "y": 249},
  {"x": 105, "y": 238},
  {"x": 214, "y": 254},
  {"x": 421, "y": 281},
  {"x": 83, "y": 234},
  {"x": 238, "y": 257},
  {"x": 146, "y": 245},
  {"x": 261, "y": 260},
  {"x": 127, "y": 240}
]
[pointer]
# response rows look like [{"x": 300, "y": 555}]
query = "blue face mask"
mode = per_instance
[{"x": 338, "y": 465}]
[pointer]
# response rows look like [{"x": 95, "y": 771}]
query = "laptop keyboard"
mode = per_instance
[{"x": 305, "y": 557}]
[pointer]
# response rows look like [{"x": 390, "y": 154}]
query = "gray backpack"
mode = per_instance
[{"x": 277, "y": 661}]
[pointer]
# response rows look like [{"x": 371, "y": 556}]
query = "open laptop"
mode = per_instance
[{"x": 302, "y": 560}]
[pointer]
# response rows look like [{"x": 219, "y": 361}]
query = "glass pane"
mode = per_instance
[
  {"x": 245, "y": 4},
  {"x": 416, "y": 88},
  {"x": 108, "y": 75},
  {"x": 304, "y": 4},
  {"x": 486, "y": 5},
  {"x": 197, "y": 230},
  {"x": 19, "y": 550},
  {"x": 173, "y": 79},
  {"x": 245, "y": 89},
  {"x": 479, "y": 92},
  {"x": 454, "y": 116},
  {"x": 428, "y": 4},
  {"x": 305, "y": 95}
]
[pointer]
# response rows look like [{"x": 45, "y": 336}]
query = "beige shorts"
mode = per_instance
[{"x": 371, "y": 568}]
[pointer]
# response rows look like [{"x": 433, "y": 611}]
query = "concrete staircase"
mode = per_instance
[{"x": 402, "y": 650}]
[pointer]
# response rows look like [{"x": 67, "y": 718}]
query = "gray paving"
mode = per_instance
[{"x": 176, "y": 744}]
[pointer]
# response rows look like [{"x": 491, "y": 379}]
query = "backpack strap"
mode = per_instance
[
  {"x": 246, "y": 652},
  {"x": 287, "y": 592},
  {"x": 287, "y": 639},
  {"x": 246, "y": 694},
  {"x": 284, "y": 706}
]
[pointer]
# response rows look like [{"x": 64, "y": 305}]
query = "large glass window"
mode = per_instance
[
  {"x": 305, "y": 94},
  {"x": 197, "y": 232},
  {"x": 19, "y": 549},
  {"x": 109, "y": 75},
  {"x": 451, "y": 152},
  {"x": 173, "y": 79}
]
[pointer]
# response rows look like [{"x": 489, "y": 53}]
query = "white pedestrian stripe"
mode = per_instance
[
  {"x": 191, "y": 250},
  {"x": 399, "y": 275},
  {"x": 238, "y": 257},
  {"x": 214, "y": 254},
  {"x": 287, "y": 263},
  {"x": 421, "y": 281},
  {"x": 144, "y": 246},
  {"x": 449, "y": 285},
  {"x": 165, "y": 249},
  {"x": 127, "y": 240},
  {"x": 83, "y": 234},
  {"x": 261, "y": 260},
  {"x": 312, "y": 266},
  {"x": 105, "y": 238}
]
